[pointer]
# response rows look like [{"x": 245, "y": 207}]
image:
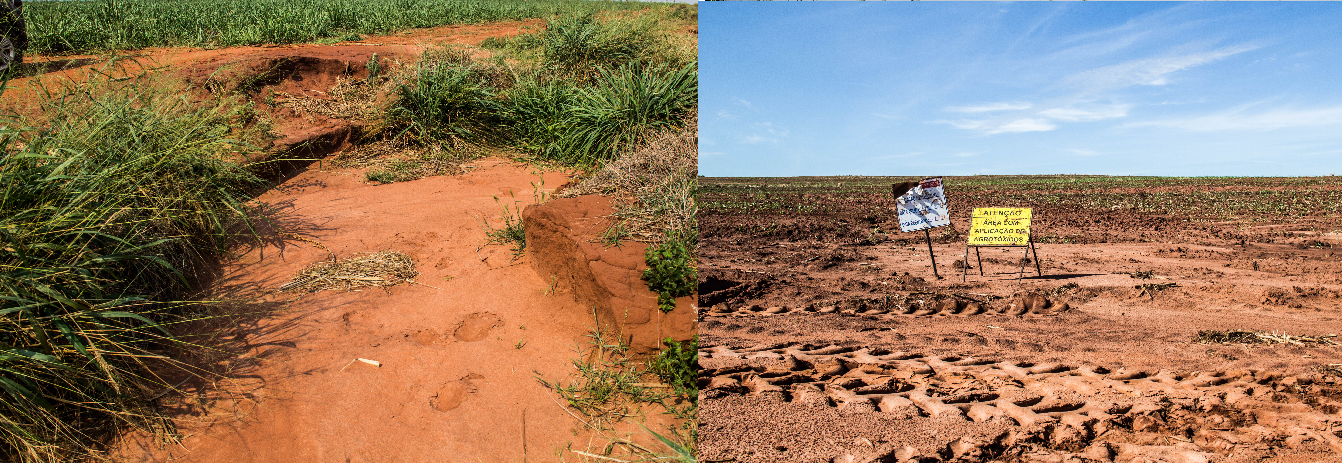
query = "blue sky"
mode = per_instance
[{"x": 964, "y": 88}]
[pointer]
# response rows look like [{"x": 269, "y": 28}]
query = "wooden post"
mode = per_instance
[
  {"x": 1037, "y": 269},
  {"x": 980, "y": 258},
  {"x": 964, "y": 275},
  {"x": 1022, "y": 264},
  {"x": 927, "y": 232}
]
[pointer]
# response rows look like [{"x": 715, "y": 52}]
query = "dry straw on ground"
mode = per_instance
[
  {"x": 350, "y": 98},
  {"x": 1259, "y": 337},
  {"x": 386, "y": 268},
  {"x": 654, "y": 185}
]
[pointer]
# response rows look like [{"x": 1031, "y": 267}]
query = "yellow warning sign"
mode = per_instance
[{"x": 1000, "y": 226}]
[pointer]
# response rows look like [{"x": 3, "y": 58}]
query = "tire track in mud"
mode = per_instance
[
  {"x": 1022, "y": 411},
  {"x": 912, "y": 305}
]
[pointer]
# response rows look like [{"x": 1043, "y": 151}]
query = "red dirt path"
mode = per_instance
[{"x": 460, "y": 350}]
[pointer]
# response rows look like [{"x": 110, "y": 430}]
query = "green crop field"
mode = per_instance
[
  {"x": 56, "y": 27},
  {"x": 1203, "y": 198}
]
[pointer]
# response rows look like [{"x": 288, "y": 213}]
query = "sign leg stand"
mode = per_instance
[
  {"x": 980, "y": 258},
  {"x": 1022, "y": 264},
  {"x": 1037, "y": 269},
  {"x": 928, "y": 234},
  {"x": 964, "y": 275}
]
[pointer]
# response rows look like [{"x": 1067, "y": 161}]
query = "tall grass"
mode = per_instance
[
  {"x": 581, "y": 92},
  {"x": 104, "y": 214},
  {"x": 619, "y": 112},
  {"x": 84, "y": 26}
]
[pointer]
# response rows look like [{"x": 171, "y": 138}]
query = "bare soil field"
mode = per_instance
[
  {"x": 1176, "y": 320},
  {"x": 442, "y": 368}
]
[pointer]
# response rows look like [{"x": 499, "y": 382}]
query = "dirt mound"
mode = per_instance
[{"x": 565, "y": 248}]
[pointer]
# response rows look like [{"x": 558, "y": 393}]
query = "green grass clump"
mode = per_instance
[
  {"x": 623, "y": 107},
  {"x": 610, "y": 386},
  {"x": 582, "y": 92},
  {"x": 106, "y": 213},
  {"x": 511, "y": 233},
  {"x": 87, "y": 26},
  {"x": 670, "y": 272},
  {"x": 577, "y": 45},
  {"x": 448, "y": 102},
  {"x": 678, "y": 366}
]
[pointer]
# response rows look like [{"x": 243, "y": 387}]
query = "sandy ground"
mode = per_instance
[
  {"x": 851, "y": 350},
  {"x": 453, "y": 360},
  {"x": 458, "y": 351}
]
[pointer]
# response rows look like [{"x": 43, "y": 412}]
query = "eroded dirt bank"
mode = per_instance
[
  {"x": 444, "y": 368},
  {"x": 846, "y": 348},
  {"x": 459, "y": 351}
]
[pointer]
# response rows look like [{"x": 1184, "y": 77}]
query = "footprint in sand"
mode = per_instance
[
  {"x": 426, "y": 337},
  {"x": 452, "y": 394},
  {"x": 476, "y": 326}
]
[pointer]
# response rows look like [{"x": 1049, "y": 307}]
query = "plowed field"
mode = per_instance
[{"x": 1175, "y": 320}]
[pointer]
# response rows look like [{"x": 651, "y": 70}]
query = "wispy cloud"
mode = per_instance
[
  {"x": 1083, "y": 152},
  {"x": 993, "y": 127},
  {"x": 1024, "y": 125},
  {"x": 758, "y": 139},
  {"x": 1087, "y": 114},
  {"x": 773, "y": 135},
  {"x": 1148, "y": 71},
  {"x": 725, "y": 114},
  {"x": 1239, "y": 119},
  {"x": 988, "y": 107}
]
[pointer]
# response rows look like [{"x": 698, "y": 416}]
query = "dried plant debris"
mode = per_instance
[
  {"x": 655, "y": 185},
  {"x": 1260, "y": 337},
  {"x": 1150, "y": 289},
  {"x": 397, "y": 160},
  {"x": 386, "y": 268},
  {"x": 349, "y": 98}
]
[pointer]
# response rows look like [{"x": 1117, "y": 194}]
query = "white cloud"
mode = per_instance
[
  {"x": 1023, "y": 125},
  {"x": 724, "y": 114},
  {"x": 1086, "y": 115},
  {"x": 757, "y": 139},
  {"x": 744, "y": 103},
  {"x": 992, "y": 127},
  {"x": 988, "y": 107},
  {"x": 1084, "y": 152},
  {"x": 1236, "y": 119},
  {"x": 967, "y": 154},
  {"x": 1149, "y": 71}
]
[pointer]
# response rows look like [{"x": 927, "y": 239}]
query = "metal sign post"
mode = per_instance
[
  {"x": 922, "y": 206},
  {"x": 1000, "y": 227}
]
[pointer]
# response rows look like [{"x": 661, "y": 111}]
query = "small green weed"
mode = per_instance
[
  {"x": 610, "y": 386},
  {"x": 678, "y": 366},
  {"x": 374, "y": 67},
  {"x": 511, "y": 232},
  {"x": 670, "y": 273},
  {"x": 606, "y": 385}
]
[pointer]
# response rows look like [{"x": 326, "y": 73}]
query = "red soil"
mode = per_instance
[
  {"x": 453, "y": 359},
  {"x": 847, "y": 348}
]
